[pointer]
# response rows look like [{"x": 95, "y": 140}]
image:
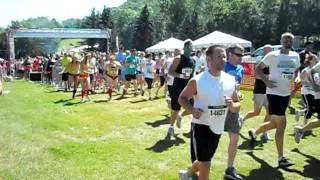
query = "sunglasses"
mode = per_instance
[{"x": 239, "y": 55}]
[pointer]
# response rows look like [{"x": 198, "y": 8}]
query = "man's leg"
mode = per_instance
[
  {"x": 252, "y": 114},
  {"x": 232, "y": 149},
  {"x": 281, "y": 123},
  {"x": 204, "y": 170},
  {"x": 311, "y": 125}
]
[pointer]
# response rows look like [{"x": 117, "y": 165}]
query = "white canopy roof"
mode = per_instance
[
  {"x": 167, "y": 45},
  {"x": 220, "y": 38}
]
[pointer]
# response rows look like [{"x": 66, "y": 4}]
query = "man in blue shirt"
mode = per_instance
[
  {"x": 131, "y": 65},
  {"x": 121, "y": 57},
  {"x": 233, "y": 120}
]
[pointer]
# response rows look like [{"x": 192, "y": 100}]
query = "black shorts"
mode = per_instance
[
  {"x": 170, "y": 90},
  {"x": 310, "y": 102},
  {"x": 175, "y": 93},
  {"x": 317, "y": 103},
  {"x": 157, "y": 71},
  {"x": 204, "y": 142},
  {"x": 130, "y": 77},
  {"x": 65, "y": 76},
  {"x": 91, "y": 77},
  {"x": 162, "y": 80},
  {"x": 278, "y": 104},
  {"x": 149, "y": 82}
]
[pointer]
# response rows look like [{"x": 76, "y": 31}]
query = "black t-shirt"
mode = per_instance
[
  {"x": 186, "y": 66},
  {"x": 259, "y": 86}
]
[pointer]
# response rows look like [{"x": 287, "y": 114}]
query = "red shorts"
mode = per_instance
[
  {"x": 112, "y": 77},
  {"x": 84, "y": 76}
]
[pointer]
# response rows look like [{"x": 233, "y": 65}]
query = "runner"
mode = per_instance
[
  {"x": 169, "y": 78},
  {"x": 283, "y": 65},
  {"x": 260, "y": 97},
  {"x": 85, "y": 78},
  {"x": 161, "y": 74},
  {"x": 200, "y": 62},
  {"x": 313, "y": 77},
  {"x": 307, "y": 91},
  {"x": 73, "y": 70},
  {"x": 140, "y": 77},
  {"x": 131, "y": 65},
  {"x": 214, "y": 94},
  {"x": 149, "y": 70},
  {"x": 182, "y": 69},
  {"x": 65, "y": 61},
  {"x": 111, "y": 72},
  {"x": 233, "y": 120}
]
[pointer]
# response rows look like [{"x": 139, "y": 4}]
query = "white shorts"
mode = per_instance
[{"x": 260, "y": 100}]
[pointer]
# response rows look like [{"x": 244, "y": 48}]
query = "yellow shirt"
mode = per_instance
[
  {"x": 73, "y": 68},
  {"x": 84, "y": 68},
  {"x": 113, "y": 68},
  {"x": 65, "y": 61}
]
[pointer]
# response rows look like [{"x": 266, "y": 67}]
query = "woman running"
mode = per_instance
[
  {"x": 85, "y": 78},
  {"x": 112, "y": 69},
  {"x": 74, "y": 70}
]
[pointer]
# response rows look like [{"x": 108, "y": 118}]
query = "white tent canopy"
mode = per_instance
[
  {"x": 167, "y": 45},
  {"x": 220, "y": 38}
]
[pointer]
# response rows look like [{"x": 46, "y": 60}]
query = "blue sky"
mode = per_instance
[{"x": 59, "y": 9}]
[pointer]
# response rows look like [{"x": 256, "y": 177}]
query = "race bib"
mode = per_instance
[
  {"x": 217, "y": 113},
  {"x": 166, "y": 71},
  {"x": 186, "y": 71},
  {"x": 287, "y": 76},
  {"x": 132, "y": 66}
]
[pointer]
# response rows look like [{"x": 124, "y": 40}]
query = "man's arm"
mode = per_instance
[
  {"x": 259, "y": 73},
  {"x": 173, "y": 67},
  {"x": 188, "y": 92},
  {"x": 233, "y": 103}
]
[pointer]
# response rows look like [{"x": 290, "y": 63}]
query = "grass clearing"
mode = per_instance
[{"x": 45, "y": 134}]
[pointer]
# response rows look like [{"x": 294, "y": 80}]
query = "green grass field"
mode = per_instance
[{"x": 46, "y": 135}]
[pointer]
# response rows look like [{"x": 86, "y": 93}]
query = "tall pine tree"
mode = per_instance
[
  {"x": 190, "y": 27},
  {"x": 143, "y": 31},
  {"x": 92, "y": 22},
  {"x": 106, "y": 22}
]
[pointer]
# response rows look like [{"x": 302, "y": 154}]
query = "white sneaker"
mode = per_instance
[
  {"x": 298, "y": 134},
  {"x": 179, "y": 119},
  {"x": 171, "y": 131},
  {"x": 183, "y": 175},
  {"x": 265, "y": 137}
]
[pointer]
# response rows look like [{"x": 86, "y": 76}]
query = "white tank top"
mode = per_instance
[
  {"x": 211, "y": 91},
  {"x": 306, "y": 84}
]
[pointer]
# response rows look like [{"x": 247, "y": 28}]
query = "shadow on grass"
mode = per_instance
[
  {"x": 138, "y": 101},
  {"x": 164, "y": 121},
  {"x": 101, "y": 101},
  {"x": 72, "y": 103},
  {"x": 311, "y": 170},
  {"x": 53, "y": 91},
  {"x": 265, "y": 171},
  {"x": 165, "y": 144},
  {"x": 187, "y": 135},
  {"x": 62, "y": 101},
  {"x": 247, "y": 144},
  {"x": 120, "y": 98}
]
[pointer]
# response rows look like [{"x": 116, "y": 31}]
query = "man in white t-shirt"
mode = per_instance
[
  {"x": 214, "y": 94},
  {"x": 314, "y": 78},
  {"x": 283, "y": 65},
  {"x": 200, "y": 62},
  {"x": 149, "y": 67}
]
